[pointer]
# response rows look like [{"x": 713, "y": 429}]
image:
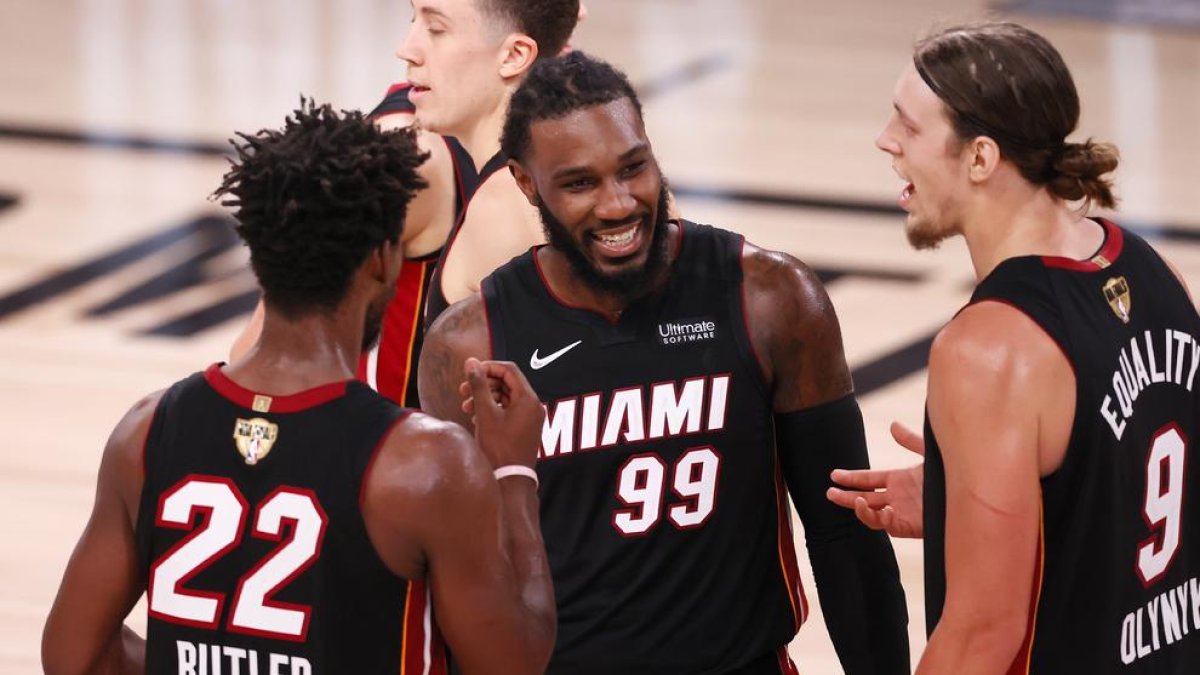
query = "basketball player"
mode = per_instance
[
  {"x": 465, "y": 57},
  {"x": 283, "y": 517},
  {"x": 1061, "y": 524},
  {"x": 675, "y": 425}
]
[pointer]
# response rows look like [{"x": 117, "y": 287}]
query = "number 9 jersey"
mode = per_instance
[
  {"x": 252, "y": 544},
  {"x": 1116, "y": 588}
]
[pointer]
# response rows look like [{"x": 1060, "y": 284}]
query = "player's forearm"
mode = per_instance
[
  {"x": 523, "y": 537},
  {"x": 858, "y": 584},
  {"x": 123, "y": 654},
  {"x": 979, "y": 647}
]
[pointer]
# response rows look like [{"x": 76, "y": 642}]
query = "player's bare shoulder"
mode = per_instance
[
  {"x": 423, "y": 466},
  {"x": 794, "y": 330},
  {"x": 459, "y": 332}
]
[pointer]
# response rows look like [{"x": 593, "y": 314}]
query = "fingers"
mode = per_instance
[
  {"x": 849, "y": 498},
  {"x": 876, "y": 519},
  {"x": 907, "y": 438},
  {"x": 862, "y": 479}
]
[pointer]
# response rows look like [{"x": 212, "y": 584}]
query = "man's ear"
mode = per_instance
[
  {"x": 383, "y": 263},
  {"x": 524, "y": 182},
  {"x": 984, "y": 158},
  {"x": 517, "y": 56}
]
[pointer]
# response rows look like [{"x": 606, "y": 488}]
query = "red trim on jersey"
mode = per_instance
[
  {"x": 1114, "y": 241},
  {"x": 402, "y": 327},
  {"x": 1021, "y": 664},
  {"x": 758, "y": 362},
  {"x": 787, "y": 551},
  {"x": 412, "y": 653},
  {"x": 460, "y": 221},
  {"x": 786, "y": 666},
  {"x": 287, "y": 403}
]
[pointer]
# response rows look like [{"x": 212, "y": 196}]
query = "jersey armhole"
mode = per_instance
[
  {"x": 490, "y": 300},
  {"x": 402, "y": 415},
  {"x": 739, "y": 313}
]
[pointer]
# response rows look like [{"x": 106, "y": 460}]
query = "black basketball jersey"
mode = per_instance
[
  {"x": 252, "y": 542},
  {"x": 662, "y": 504},
  {"x": 390, "y": 366},
  {"x": 1117, "y": 586},
  {"x": 437, "y": 297}
]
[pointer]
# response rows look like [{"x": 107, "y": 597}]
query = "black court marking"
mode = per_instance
[
  {"x": 205, "y": 237},
  {"x": 893, "y": 366},
  {"x": 113, "y": 140},
  {"x": 207, "y": 317},
  {"x": 829, "y": 274},
  {"x": 7, "y": 201},
  {"x": 686, "y": 74},
  {"x": 68, "y": 280}
]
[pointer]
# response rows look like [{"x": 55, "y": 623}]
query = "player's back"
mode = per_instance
[
  {"x": 252, "y": 540},
  {"x": 1118, "y": 582}
]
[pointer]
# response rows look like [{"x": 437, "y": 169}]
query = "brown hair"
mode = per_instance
[
  {"x": 1006, "y": 82},
  {"x": 549, "y": 22}
]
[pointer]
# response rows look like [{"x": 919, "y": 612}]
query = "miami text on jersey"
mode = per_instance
[
  {"x": 676, "y": 408},
  {"x": 1140, "y": 365}
]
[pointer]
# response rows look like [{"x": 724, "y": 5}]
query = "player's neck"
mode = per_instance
[
  {"x": 1028, "y": 222},
  {"x": 295, "y": 354},
  {"x": 482, "y": 139}
]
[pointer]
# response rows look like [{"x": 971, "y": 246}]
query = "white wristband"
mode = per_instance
[{"x": 516, "y": 470}]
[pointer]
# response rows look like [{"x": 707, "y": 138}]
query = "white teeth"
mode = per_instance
[{"x": 618, "y": 239}]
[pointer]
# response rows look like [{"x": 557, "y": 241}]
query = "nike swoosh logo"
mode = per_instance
[{"x": 537, "y": 363}]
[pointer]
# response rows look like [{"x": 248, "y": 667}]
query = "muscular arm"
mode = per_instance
[
  {"x": 1001, "y": 407},
  {"x": 460, "y": 332},
  {"x": 819, "y": 427},
  {"x": 483, "y": 552},
  {"x": 102, "y": 582}
]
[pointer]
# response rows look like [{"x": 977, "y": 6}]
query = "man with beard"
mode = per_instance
[
  {"x": 283, "y": 517},
  {"x": 675, "y": 425},
  {"x": 1058, "y": 509}
]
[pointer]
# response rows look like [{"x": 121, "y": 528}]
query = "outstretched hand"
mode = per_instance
[
  {"x": 887, "y": 499},
  {"x": 505, "y": 410}
]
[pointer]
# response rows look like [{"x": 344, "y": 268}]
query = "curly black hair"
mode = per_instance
[
  {"x": 549, "y": 22},
  {"x": 314, "y": 199},
  {"x": 555, "y": 88}
]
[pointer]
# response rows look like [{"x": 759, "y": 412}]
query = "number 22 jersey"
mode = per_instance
[
  {"x": 662, "y": 505},
  {"x": 252, "y": 542}
]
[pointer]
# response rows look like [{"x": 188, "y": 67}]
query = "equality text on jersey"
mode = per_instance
[
  {"x": 1155, "y": 357},
  {"x": 634, "y": 414}
]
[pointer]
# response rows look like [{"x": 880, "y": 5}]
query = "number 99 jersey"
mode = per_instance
[
  {"x": 252, "y": 544},
  {"x": 662, "y": 506},
  {"x": 1117, "y": 584}
]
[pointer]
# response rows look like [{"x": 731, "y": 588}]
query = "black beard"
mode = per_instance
[{"x": 626, "y": 285}]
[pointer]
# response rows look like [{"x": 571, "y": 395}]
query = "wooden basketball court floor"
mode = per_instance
[{"x": 118, "y": 277}]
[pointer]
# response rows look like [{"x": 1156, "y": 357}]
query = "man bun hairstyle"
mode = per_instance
[
  {"x": 555, "y": 88},
  {"x": 1006, "y": 82},
  {"x": 313, "y": 199}
]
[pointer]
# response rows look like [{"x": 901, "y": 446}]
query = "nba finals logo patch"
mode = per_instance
[
  {"x": 254, "y": 438},
  {"x": 681, "y": 332},
  {"x": 1116, "y": 291}
]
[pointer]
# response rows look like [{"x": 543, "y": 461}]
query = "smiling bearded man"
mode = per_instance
[{"x": 691, "y": 380}]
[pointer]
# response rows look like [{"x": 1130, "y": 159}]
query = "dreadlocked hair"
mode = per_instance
[
  {"x": 556, "y": 88},
  {"x": 314, "y": 199}
]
